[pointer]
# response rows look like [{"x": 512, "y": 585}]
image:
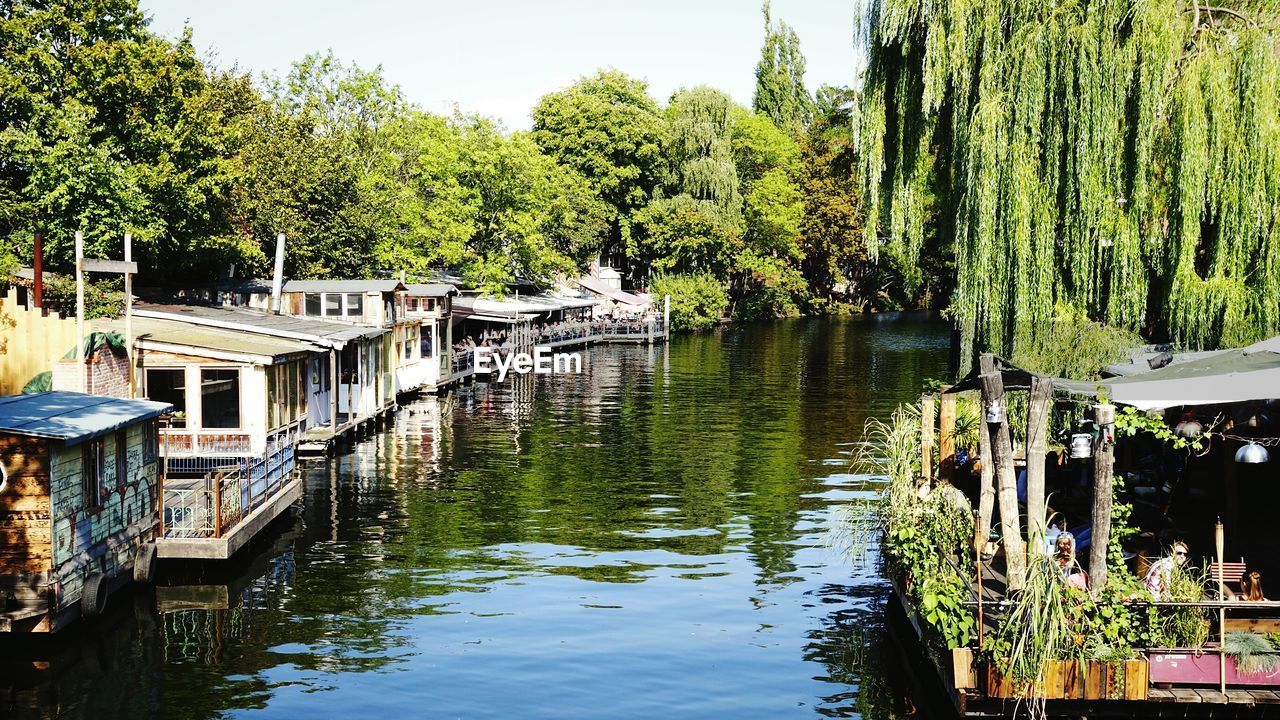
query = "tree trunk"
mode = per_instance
[
  {"x": 1006, "y": 485},
  {"x": 926, "y": 441},
  {"x": 1037, "y": 444},
  {"x": 1103, "y": 480}
]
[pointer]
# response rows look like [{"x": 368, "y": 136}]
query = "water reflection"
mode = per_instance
[{"x": 645, "y": 539}]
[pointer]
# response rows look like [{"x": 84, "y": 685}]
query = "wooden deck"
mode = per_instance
[{"x": 222, "y": 548}]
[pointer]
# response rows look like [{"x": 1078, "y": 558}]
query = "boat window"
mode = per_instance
[
  {"x": 333, "y": 304},
  {"x": 313, "y": 304},
  {"x": 220, "y": 398},
  {"x": 93, "y": 468},
  {"x": 355, "y": 305}
]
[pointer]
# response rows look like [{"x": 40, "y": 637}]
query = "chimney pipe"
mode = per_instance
[
  {"x": 37, "y": 263},
  {"x": 278, "y": 278}
]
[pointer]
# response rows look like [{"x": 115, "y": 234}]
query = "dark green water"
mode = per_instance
[{"x": 647, "y": 539}]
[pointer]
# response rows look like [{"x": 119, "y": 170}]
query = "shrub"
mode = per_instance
[{"x": 698, "y": 301}]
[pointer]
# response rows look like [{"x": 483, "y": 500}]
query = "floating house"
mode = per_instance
[
  {"x": 79, "y": 476},
  {"x": 349, "y": 384},
  {"x": 241, "y": 403},
  {"x": 428, "y": 363}
]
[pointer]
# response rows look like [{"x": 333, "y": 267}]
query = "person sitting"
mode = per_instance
[
  {"x": 1251, "y": 586},
  {"x": 1161, "y": 572}
]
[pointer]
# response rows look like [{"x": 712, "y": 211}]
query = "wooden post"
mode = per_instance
[
  {"x": 1006, "y": 483},
  {"x": 947, "y": 437},
  {"x": 666, "y": 317},
  {"x": 1219, "y": 546},
  {"x": 926, "y": 441},
  {"x": 1037, "y": 445},
  {"x": 80, "y": 311},
  {"x": 333, "y": 390},
  {"x": 37, "y": 266},
  {"x": 128, "y": 311},
  {"x": 1103, "y": 481},
  {"x": 987, "y": 480}
]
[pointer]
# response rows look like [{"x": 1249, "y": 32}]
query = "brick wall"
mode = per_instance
[{"x": 105, "y": 373}]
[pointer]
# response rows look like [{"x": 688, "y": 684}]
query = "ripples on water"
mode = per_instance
[{"x": 648, "y": 539}]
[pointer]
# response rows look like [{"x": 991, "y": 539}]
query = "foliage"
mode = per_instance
[
  {"x": 780, "y": 93},
  {"x": 921, "y": 533},
  {"x": 1253, "y": 653},
  {"x": 1185, "y": 627},
  {"x": 608, "y": 129},
  {"x": 1037, "y": 628},
  {"x": 1075, "y": 346},
  {"x": 102, "y": 299},
  {"x": 698, "y": 301},
  {"x": 1110, "y": 156},
  {"x": 106, "y": 128},
  {"x": 1130, "y": 422}
]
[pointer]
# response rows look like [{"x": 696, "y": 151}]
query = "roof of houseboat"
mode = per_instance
[
  {"x": 156, "y": 333},
  {"x": 380, "y": 286},
  {"x": 325, "y": 332},
  {"x": 73, "y": 417},
  {"x": 431, "y": 289}
]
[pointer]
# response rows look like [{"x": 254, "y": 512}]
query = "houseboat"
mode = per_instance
[
  {"x": 430, "y": 366},
  {"x": 79, "y": 476},
  {"x": 351, "y": 385},
  {"x": 241, "y": 403}
]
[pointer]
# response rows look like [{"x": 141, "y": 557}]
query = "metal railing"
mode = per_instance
[
  {"x": 203, "y": 443},
  {"x": 209, "y": 506}
]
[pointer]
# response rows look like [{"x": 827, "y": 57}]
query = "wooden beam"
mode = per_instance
[
  {"x": 1103, "y": 482},
  {"x": 926, "y": 440},
  {"x": 119, "y": 267},
  {"x": 1006, "y": 482},
  {"x": 947, "y": 437},
  {"x": 1038, "y": 406}
]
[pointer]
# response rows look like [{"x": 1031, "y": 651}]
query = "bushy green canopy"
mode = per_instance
[{"x": 1118, "y": 156}]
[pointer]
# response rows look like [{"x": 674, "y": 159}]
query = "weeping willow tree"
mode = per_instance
[{"x": 1119, "y": 157}]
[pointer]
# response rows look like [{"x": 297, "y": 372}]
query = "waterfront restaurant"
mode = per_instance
[
  {"x": 241, "y": 403},
  {"x": 78, "y": 481},
  {"x": 1154, "y": 502}
]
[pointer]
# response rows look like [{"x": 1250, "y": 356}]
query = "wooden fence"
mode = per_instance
[{"x": 31, "y": 342}]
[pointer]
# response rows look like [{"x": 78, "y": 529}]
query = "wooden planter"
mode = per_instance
[{"x": 1075, "y": 680}]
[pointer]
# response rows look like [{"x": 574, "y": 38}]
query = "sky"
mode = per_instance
[{"x": 497, "y": 57}]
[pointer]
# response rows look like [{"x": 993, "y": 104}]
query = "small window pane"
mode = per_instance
[
  {"x": 169, "y": 386},
  {"x": 313, "y": 304},
  {"x": 355, "y": 305},
  {"x": 220, "y": 398},
  {"x": 332, "y": 304}
]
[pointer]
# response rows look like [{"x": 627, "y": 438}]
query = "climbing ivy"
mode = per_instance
[{"x": 1117, "y": 156}]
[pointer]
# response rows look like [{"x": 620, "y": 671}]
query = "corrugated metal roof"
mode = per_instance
[
  {"x": 72, "y": 417},
  {"x": 323, "y": 332},
  {"x": 380, "y": 286},
  {"x": 431, "y": 289},
  {"x": 197, "y": 337}
]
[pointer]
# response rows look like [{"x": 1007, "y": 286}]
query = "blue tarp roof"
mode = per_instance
[{"x": 72, "y": 417}]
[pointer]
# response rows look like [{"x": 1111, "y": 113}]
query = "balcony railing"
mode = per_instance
[
  {"x": 209, "y": 506},
  {"x": 202, "y": 443}
]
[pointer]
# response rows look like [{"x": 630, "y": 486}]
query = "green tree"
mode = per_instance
[
  {"x": 780, "y": 92},
  {"x": 608, "y": 129},
  {"x": 106, "y": 128},
  {"x": 1110, "y": 157},
  {"x": 535, "y": 219},
  {"x": 698, "y": 149}
]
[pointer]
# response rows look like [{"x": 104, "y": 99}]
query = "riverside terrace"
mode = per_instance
[{"x": 1055, "y": 577}]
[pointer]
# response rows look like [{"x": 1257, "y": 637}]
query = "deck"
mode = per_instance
[{"x": 225, "y": 544}]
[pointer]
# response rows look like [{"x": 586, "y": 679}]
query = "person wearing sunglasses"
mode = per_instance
[{"x": 1161, "y": 572}]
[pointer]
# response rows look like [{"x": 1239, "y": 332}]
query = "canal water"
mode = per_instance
[{"x": 646, "y": 539}]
